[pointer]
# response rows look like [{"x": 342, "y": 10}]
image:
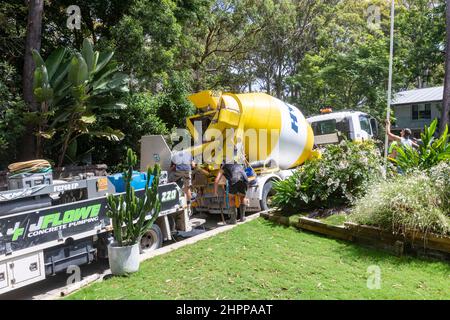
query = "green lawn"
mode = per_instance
[{"x": 260, "y": 260}]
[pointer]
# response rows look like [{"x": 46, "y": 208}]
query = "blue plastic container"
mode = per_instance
[
  {"x": 138, "y": 181},
  {"x": 250, "y": 172}
]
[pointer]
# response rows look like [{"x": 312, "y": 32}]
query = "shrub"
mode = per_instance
[
  {"x": 409, "y": 202},
  {"x": 440, "y": 177},
  {"x": 340, "y": 176}
]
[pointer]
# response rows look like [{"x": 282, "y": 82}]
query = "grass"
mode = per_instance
[
  {"x": 261, "y": 260},
  {"x": 335, "y": 219}
]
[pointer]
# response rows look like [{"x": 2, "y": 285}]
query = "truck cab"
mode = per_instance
[{"x": 332, "y": 127}]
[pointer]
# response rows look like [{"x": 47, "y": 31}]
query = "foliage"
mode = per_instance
[
  {"x": 420, "y": 34},
  {"x": 341, "y": 175},
  {"x": 139, "y": 118},
  {"x": 74, "y": 90},
  {"x": 407, "y": 202},
  {"x": 348, "y": 63},
  {"x": 172, "y": 104},
  {"x": 223, "y": 40},
  {"x": 128, "y": 212},
  {"x": 431, "y": 151},
  {"x": 12, "y": 110},
  {"x": 147, "y": 40},
  {"x": 344, "y": 80},
  {"x": 440, "y": 177},
  {"x": 310, "y": 53},
  {"x": 275, "y": 262}
]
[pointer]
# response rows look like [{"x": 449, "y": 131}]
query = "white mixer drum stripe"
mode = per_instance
[{"x": 293, "y": 134}]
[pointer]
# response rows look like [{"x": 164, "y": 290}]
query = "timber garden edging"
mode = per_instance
[{"x": 411, "y": 241}]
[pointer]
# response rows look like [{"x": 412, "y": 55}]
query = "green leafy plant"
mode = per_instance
[
  {"x": 137, "y": 119},
  {"x": 431, "y": 151},
  {"x": 74, "y": 90},
  {"x": 408, "y": 202},
  {"x": 129, "y": 212},
  {"x": 340, "y": 176}
]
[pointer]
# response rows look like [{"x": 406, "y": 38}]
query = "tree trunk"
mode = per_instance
[
  {"x": 33, "y": 41},
  {"x": 446, "y": 100}
]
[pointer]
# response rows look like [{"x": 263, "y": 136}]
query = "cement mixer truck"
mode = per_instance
[{"x": 273, "y": 137}]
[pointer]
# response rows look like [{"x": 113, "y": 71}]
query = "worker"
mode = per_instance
[
  {"x": 237, "y": 182},
  {"x": 181, "y": 168},
  {"x": 405, "y": 137}
]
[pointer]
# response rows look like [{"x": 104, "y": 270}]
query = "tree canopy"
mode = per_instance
[{"x": 312, "y": 53}]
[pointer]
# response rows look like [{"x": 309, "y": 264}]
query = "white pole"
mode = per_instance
[{"x": 391, "y": 57}]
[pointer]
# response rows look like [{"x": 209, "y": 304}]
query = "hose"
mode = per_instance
[{"x": 33, "y": 166}]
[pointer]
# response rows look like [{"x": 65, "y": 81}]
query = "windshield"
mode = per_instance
[{"x": 365, "y": 124}]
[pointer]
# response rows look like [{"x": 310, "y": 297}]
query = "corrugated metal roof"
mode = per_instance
[{"x": 418, "y": 96}]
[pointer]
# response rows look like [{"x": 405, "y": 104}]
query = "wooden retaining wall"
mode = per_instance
[{"x": 414, "y": 242}]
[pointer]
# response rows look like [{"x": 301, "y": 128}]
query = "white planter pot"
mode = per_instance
[{"x": 123, "y": 260}]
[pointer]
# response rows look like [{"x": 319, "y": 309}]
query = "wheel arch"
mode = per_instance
[{"x": 263, "y": 180}]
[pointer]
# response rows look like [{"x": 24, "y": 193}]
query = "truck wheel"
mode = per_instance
[
  {"x": 267, "y": 193},
  {"x": 152, "y": 239}
]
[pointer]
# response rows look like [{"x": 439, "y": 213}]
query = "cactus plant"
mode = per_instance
[{"x": 128, "y": 212}]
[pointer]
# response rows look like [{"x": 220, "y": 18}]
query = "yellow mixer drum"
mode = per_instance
[{"x": 269, "y": 128}]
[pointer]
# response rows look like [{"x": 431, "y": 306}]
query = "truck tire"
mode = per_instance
[
  {"x": 267, "y": 193},
  {"x": 152, "y": 239}
]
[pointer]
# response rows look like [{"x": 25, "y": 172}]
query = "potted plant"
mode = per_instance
[{"x": 128, "y": 214}]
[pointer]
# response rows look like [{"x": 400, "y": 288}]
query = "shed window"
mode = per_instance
[{"x": 421, "y": 111}]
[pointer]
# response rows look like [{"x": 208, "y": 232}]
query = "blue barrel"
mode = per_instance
[
  {"x": 250, "y": 172},
  {"x": 138, "y": 181}
]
